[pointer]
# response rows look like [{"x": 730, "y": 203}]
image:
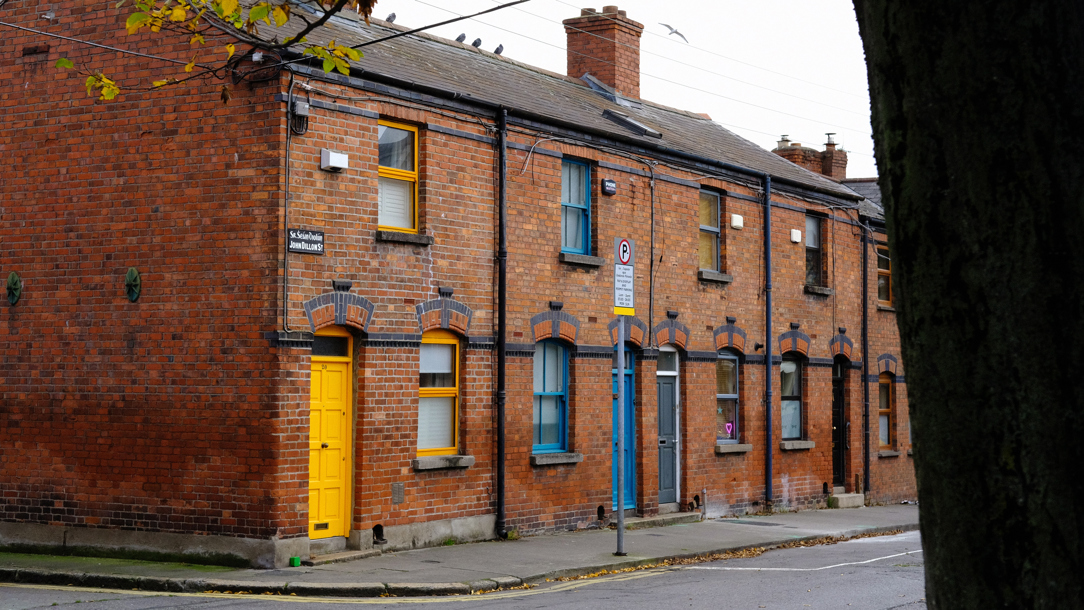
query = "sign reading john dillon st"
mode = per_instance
[{"x": 306, "y": 242}]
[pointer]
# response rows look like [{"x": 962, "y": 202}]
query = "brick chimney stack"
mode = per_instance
[
  {"x": 607, "y": 46},
  {"x": 832, "y": 162}
]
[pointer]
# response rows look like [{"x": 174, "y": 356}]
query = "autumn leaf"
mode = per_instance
[
  {"x": 226, "y": 94},
  {"x": 178, "y": 14},
  {"x": 197, "y": 38},
  {"x": 281, "y": 15},
  {"x": 136, "y": 21},
  {"x": 192, "y": 64},
  {"x": 229, "y": 7},
  {"x": 160, "y": 83},
  {"x": 329, "y": 65},
  {"x": 259, "y": 12},
  {"x": 64, "y": 62},
  {"x": 229, "y": 51}
]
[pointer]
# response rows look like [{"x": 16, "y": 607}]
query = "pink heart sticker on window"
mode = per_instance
[{"x": 729, "y": 428}]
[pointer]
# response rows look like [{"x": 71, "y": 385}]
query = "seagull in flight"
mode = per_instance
[{"x": 674, "y": 31}]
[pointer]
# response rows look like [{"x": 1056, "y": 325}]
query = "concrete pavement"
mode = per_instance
[{"x": 466, "y": 568}]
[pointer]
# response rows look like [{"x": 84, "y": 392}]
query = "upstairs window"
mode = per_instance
[
  {"x": 438, "y": 394},
  {"x": 398, "y": 177},
  {"x": 550, "y": 398},
  {"x": 575, "y": 207},
  {"x": 726, "y": 399},
  {"x": 814, "y": 275},
  {"x": 711, "y": 237},
  {"x": 884, "y": 277},
  {"x": 791, "y": 399}
]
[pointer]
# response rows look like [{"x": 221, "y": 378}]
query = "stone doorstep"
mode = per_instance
[
  {"x": 343, "y": 557},
  {"x": 847, "y": 501},
  {"x": 639, "y": 523}
]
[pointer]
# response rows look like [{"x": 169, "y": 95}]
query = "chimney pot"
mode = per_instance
[{"x": 609, "y": 10}]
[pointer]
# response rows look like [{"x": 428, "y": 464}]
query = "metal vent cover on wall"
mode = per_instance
[{"x": 398, "y": 493}]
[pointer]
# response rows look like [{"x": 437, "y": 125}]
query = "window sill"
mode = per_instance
[
  {"x": 725, "y": 448},
  {"x": 442, "y": 462},
  {"x": 911, "y": 452},
  {"x": 886, "y": 308},
  {"x": 888, "y": 454},
  {"x": 819, "y": 290},
  {"x": 796, "y": 445},
  {"x": 418, "y": 239},
  {"x": 581, "y": 259},
  {"x": 552, "y": 459},
  {"x": 705, "y": 275}
]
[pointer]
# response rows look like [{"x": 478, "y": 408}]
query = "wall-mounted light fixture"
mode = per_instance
[
  {"x": 15, "y": 287},
  {"x": 133, "y": 284}
]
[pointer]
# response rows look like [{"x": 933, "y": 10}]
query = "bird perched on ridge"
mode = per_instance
[
  {"x": 391, "y": 18},
  {"x": 461, "y": 38},
  {"x": 674, "y": 31},
  {"x": 477, "y": 43},
  {"x": 499, "y": 49}
]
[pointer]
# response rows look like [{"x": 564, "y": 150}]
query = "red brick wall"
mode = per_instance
[
  {"x": 607, "y": 46},
  {"x": 163, "y": 414}
]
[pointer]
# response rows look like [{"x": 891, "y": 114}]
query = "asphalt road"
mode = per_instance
[{"x": 879, "y": 573}]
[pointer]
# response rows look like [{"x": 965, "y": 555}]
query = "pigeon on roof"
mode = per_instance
[
  {"x": 477, "y": 43},
  {"x": 391, "y": 18},
  {"x": 499, "y": 49},
  {"x": 674, "y": 31},
  {"x": 461, "y": 38}
]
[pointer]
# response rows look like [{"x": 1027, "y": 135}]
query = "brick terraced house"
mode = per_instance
[{"x": 377, "y": 311}]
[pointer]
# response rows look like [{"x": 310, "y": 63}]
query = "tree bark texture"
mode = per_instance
[{"x": 978, "y": 121}]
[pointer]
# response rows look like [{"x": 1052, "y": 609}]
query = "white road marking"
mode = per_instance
[{"x": 838, "y": 565}]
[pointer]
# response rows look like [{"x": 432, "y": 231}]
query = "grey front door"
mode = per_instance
[{"x": 667, "y": 439}]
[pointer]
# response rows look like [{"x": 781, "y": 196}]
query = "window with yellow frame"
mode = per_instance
[
  {"x": 397, "y": 207},
  {"x": 438, "y": 394}
]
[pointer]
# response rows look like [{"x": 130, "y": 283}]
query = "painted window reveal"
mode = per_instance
[
  {"x": 550, "y": 398},
  {"x": 575, "y": 207},
  {"x": 814, "y": 275},
  {"x": 726, "y": 399},
  {"x": 884, "y": 277},
  {"x": 791, "y": 398},
  {"x": 886, "y": 420},
  {"x": 711, "y": 236},
  {"x": 438, "y": 394},
  {"x": 398, "y": 177}
]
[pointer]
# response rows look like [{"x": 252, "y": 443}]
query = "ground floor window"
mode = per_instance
[
  {"x": 791, "y": 398},
  {"x": 726, "y": 399},
  {"x": 887, "y": 411},
  {"x": 438, "y": 394},
  {"x": 550, "y": 398}
]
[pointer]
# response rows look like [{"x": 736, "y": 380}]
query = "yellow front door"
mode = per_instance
[{"x": 329, "y": 448}]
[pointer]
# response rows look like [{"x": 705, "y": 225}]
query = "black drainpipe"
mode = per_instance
[
  {"x": 865, "y": 356},
  {"x": 768, "y": 473},
  {"x": 502, "y": 306}
]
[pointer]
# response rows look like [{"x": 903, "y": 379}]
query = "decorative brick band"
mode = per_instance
[
  {"x": 447, "y": 314},
  {"x": 841, "y": 345},
  {"x": 730, "y": 336},
  {"x": 887, "y": 363},
  {"x": 555, "y": 324},
  {"x": 340, "y": 308},
  {"x": 673, "y": 332},
  {"x": 794, "y": 341},
  {"x": 635, "y": 330}
]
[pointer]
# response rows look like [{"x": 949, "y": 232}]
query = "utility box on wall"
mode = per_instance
[{"x": 332, "y": 161}]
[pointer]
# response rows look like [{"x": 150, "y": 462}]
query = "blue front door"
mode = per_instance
[{"x": 630, "y": 435}]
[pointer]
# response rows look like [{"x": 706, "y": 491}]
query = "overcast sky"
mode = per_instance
[{"x": 761, "y": 69}]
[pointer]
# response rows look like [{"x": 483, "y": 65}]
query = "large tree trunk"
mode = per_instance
[{"x": 978, "y": 120}]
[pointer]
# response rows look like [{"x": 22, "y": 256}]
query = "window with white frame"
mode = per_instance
[
  {"x": 575, "y": 207},
  {"x": 550, "y": 398},
  {"x": 726, "y": 398},
  {"x": 790, "y": 372}
]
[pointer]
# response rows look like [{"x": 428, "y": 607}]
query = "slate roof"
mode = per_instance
[
  {"x": 446, "y": 64},
  {"x": 869, "y": 189}
]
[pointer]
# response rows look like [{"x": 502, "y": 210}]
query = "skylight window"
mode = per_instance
[{"x": 630, "y": 123}]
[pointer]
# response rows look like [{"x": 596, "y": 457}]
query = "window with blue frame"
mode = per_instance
[
  {"x": 575, "y": 207},
  {"x": 550, "y": 398}
]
